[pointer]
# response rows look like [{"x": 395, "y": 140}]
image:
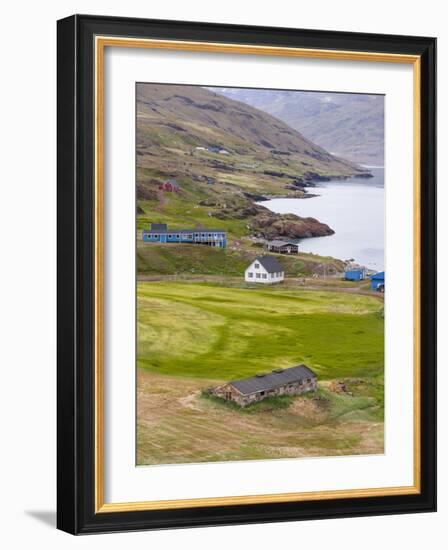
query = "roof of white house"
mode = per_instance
[{"x": 271, "y": 264}]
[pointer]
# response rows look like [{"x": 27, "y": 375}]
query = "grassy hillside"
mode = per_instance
[
  {"x": 206, "y": 331},
  {"x": 347, "y": 125},
  {"x": 176, "y": 119},
  {"x": 154, "y": 259},
  {"x": 192, "y": 336}
]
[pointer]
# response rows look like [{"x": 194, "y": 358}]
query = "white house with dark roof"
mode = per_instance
[{"x": 265, "y": 270}]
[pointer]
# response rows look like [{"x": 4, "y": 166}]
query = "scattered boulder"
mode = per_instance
[
  {"x": 337, "y": 386},
  {"x": 255, "y": 197},
  {"x": 144, "y": 193},
  {"x": 364, "y": 175},
  {"x": 274, "y": 173}
]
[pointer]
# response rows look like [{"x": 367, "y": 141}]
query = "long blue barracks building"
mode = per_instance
[{"x": 159, "y": 233}]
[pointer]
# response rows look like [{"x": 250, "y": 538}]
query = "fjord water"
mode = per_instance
[{"x": 354, "y": 209}]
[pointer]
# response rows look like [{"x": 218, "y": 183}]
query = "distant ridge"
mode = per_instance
[
  {"x": 181, "y": 117},
  {"x": 347, "y": 125}
]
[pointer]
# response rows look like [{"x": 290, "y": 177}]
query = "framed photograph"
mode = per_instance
[{"x": 246, "y": 274}]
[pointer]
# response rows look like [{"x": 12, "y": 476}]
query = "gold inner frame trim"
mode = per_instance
[{"x": 101, "y": 42}]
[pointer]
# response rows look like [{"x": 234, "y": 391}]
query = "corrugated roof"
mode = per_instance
[
  {"x": 270, "y": 263},
  {"x": 379, "y": 275},
  {"x": 183, "y": 231},
  {"x": 272, "y": 380}
]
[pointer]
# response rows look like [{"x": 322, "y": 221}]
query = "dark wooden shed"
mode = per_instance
[
  {"x": 292, "y": 381},
  {"x": 283, "y": 247}
]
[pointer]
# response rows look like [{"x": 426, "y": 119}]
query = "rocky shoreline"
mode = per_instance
[
  {"x": 263, "y": 223},
  {"x": 301, "y": 184}
]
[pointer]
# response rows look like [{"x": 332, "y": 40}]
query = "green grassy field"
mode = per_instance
[
  {"x": 193, "y": 335},
  {"x": 207, "y": 331}
]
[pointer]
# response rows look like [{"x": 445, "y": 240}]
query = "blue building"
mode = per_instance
[
  {"x": 159, "y": 233},
  {"x": 355, "y": 274},
  {"x": 377, "y": 281}
]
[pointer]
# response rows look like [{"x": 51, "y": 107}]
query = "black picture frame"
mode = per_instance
[{"x": 76, "y": 270}]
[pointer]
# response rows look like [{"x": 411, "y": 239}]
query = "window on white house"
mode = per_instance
[
  {"x": 258, "y": 275},
  {"x": 257, "y": 266},
  {"x": 264, "y": 276},
  {"x": 250, "y": 275}
]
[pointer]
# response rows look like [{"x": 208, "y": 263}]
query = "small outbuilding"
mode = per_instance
[
  {"x": 282, "y": 247},
  {"x": 377, "y": 281},
  {"x": 170, "y": 186},
  {"x": 293, "y": 381},
  {"x": 355, "y": 274},
  {"x": 265, "y": 269}
]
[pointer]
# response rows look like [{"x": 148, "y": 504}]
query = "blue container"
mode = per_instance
[
  {"x": 355, "y": 275},
  {"x": 377, "y": 281}
]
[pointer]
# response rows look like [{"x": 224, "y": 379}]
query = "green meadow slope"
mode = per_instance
[
  {"x": 213, "y": 332},
  {"x": 192, "y": 260},
  {"x": 192, "y": 336}
]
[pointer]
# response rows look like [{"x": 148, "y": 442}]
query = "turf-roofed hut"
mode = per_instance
[{"x": 292, "y": 381}]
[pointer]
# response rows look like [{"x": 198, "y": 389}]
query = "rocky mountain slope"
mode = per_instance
[
  {"x": 223, "y": 155},
  {"x": 347, "y": 125}
]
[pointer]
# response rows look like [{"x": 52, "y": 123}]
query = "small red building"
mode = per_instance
[{"x": 171, "y": 186}]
